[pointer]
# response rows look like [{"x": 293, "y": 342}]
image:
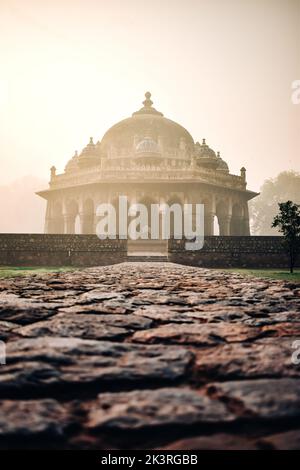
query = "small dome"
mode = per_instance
[
  {"x": 147, "y": 145},
  {"x": 204, "y": 151},
  {"x": 89, "y": 155},
  {"x": 222, "y": 165},
  {"x": 205, "y": 156},
  {"x": 89, "y": 149},
  {"x": 72, "y": 164}
]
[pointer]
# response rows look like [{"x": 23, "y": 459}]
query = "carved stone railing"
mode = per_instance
[{"x": 151, "y": 174}]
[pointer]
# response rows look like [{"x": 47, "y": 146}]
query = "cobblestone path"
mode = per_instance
[{"x": 149, "y": 355}]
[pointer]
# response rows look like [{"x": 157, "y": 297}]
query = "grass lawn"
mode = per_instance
[
  {"x": 282, "y": 274},
  {"x": 11, "y": 271}
]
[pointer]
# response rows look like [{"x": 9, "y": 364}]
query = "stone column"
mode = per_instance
[
  {"x": 224, "y": 223},
  {"x": 48, "y": 228},
  {"x": 246, "y": 227},
  {"x": 48, "y": 220},
  {"x": 96, "y": 220},
  {"x": 211, "y": 215}
]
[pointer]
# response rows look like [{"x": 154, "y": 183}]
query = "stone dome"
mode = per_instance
[
  {"x": 204, "y": 151},
  {"x": 205, "y": 156},
  {"x": 146, "y": 122},
  {"x": 89, "y": 155},
  {"x": 222, "y": 165},
  {"x": 72, "y": 164}
]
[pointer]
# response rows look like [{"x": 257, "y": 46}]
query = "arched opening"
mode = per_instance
[
  {"x": 70, "y": 217},
  {"x": 146, "y": 226},
  {"x": 77, "y": 225},
  {"x": 216, "y": 227},
  {"x": 57, "y": 220},
  {"x": 149, "y": 225},
  {"x": 87, "y": 217}
]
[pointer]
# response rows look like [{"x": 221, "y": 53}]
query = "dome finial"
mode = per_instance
[
  {"x": 243, "y": 173},
  {"x": 147, "y": 103},
  {"x": 53, "y": 172},
  {"x": 147, "y": 108}
]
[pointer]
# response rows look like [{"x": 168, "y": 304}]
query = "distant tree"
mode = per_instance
[
  {"x": 288, "y": 222},
  {"x": 286, "y": 186},
  {"x": 21, "y": 210}
]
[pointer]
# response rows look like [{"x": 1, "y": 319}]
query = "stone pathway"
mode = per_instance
[{"x": 149, "y": 355}]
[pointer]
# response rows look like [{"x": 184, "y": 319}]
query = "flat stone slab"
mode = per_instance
[
  {"x": 85, "y": 326},
  {"x": 268, "y": 357},
  {"x": 152, "y": 408},
  {"x": 260, "y": 398},
  {"x": 203, "y": 334},
  {"x": 111, "y": 327},
  {"x": 20, "y": 310},
  {"x": 282, "y": 441},
  {"x": 6, "y": 329},
  {"x": 216, "y": 442},
  {"x": 185, "y": 314},
  {"x": 149, "y": 356},
  {"x": 33, "y": 418},
  {"x": 56, "y": 362}
]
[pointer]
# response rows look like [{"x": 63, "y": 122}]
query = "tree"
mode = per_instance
[
  {"x": 263, "y": 208},
  {"x": 288, "y": 221}
]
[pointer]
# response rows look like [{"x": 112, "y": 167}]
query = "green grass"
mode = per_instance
[
  {"x": 281, "y": 274},
  {"x": 11, "y": 271}
]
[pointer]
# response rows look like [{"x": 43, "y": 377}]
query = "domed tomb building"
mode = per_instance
[{"x": 150, "y": 159}]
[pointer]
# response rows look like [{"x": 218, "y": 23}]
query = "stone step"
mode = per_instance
[{"x": 151, "y": 259}]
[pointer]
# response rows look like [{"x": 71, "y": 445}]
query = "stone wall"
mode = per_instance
[
  {"x": 88, "y": 250},
  {"x": 60, "y": 250},
  {"x": 243, "y": 252}
]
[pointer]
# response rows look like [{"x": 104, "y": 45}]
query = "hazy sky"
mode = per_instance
[{"x": 221, "y": 68}]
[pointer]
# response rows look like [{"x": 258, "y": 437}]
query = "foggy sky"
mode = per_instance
[{"x": 221, "y": 68}]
